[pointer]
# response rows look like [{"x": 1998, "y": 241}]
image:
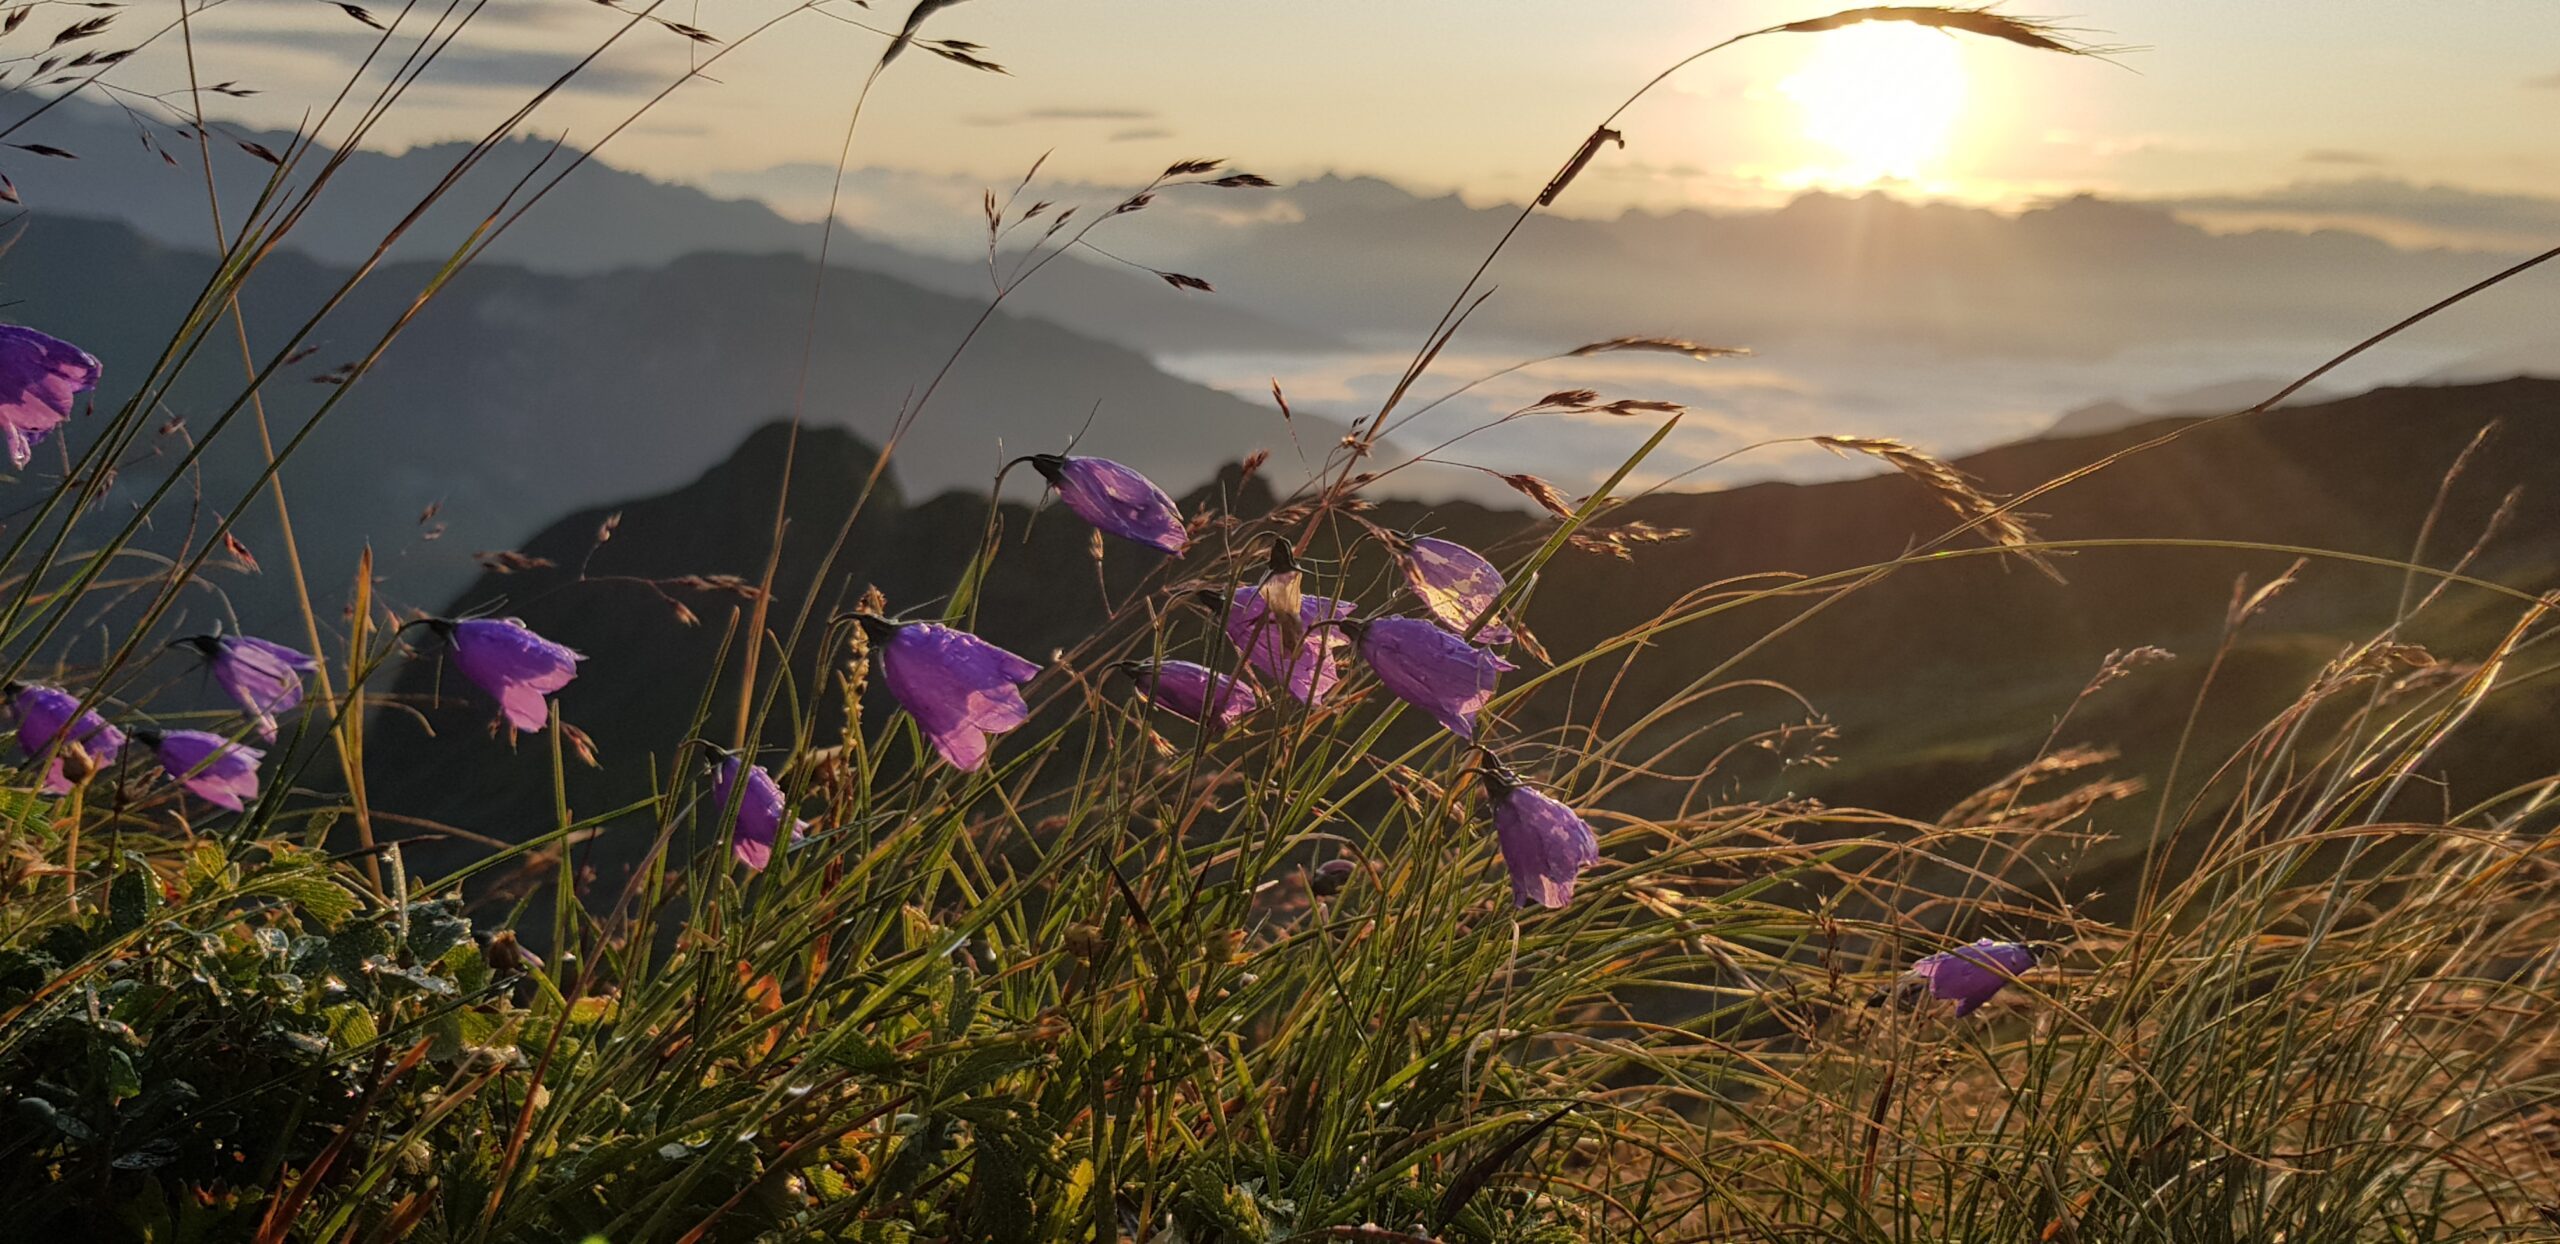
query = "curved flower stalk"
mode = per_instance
[
  {"x": 1545, "y": 845},
  {"x": 39, "y": 377},
  {"x": 1192, "y": 691},
  {"x": 1455, "y": 584},
  {"x": 1967, "y": 975},
  {"x": 1429, "y": 668},
  {"x": 263, "y": 677},
  {"x": 515, "y": 666},
  {"x": 1115, "y": 499},
  {"x": 42, "y": 712},
  {"x": 761, "y": 812},
  {"x": 209, "y": 766},
  {"x": 960, "y": 689}
]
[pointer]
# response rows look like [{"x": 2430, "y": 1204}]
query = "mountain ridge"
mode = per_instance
[
  {"x": 599, "y": 219},
  {"x": 515, "y": 393},
  {"x": 1939, "y": 678}
]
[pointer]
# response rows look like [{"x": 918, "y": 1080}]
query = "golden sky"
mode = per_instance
[{"x": 1483, "y": 96}]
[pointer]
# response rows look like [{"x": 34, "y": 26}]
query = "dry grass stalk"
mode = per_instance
[
  {"x": 1620, "y": 540},
  {"x": 1659, "y": 345},
  {"x": 1955, "y": 488},
  {"x": 1983, "y": 22}
]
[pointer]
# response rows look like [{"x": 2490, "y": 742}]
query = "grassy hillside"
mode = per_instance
[{"x": 1929, "y": 684}]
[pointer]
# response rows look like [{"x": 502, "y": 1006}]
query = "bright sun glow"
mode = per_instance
[{"x": 1882, "y": 96}]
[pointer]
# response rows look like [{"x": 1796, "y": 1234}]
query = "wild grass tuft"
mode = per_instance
[{"x": 1137, "y": 980}]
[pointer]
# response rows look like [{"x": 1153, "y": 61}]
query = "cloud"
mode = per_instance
[
  {"x": 2401, "y": 211},
  {"x": 1031, "y": 115},
  {"x": 2547, "y": 82},
  {"x": 2333, "y": 155},
  {"x": 455, "y": 66},
  {"x": 1141, "y": 134}
]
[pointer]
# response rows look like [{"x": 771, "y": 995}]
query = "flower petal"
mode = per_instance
[
  {"x": 211, "y": 767},
  {"x": 1455, "y": 584},
  {"x": 1545, "y": 846},
  {"x": 1309, "y": 670},
  {"x": 40, "y": 377},
  {"x": 1188, "y": 689},
  {"x": 514, "y": 665},
  {"x": 1118, "y": 500},
  {"x": 958, "y": 687},
  {"x": 1432, "y": 669}
]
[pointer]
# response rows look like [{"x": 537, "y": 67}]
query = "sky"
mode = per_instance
[{"x": 2211, "y": 103}]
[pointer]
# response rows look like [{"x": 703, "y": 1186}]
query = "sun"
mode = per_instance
[{"x": 1882, "y": 96}]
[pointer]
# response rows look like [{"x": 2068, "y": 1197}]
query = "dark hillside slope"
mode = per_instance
[
  {"x": 1938, "y": 678},
  {"x": 517, "y": 395}
]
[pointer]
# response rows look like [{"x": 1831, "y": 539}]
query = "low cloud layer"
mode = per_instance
[{"x": 2400, "y": 210}]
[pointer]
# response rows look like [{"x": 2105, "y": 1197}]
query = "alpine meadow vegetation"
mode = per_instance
[{"x": 1302, "y": 901}]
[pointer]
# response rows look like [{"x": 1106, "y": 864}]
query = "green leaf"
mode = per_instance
[
  {"x": 22, "y": 811},
  {"x": 470, "y": 972},
  {"x": 350, "y": 1025},
  {"x": 1000, "y": 1206},
  {"x": 435, "y": 928},
  {"x": 207, "y": 870},
  {"x": 863, "y": 1053},
  {"x": 123, "y": 1078},
  {"x": 133, "y": 897},
  {"x": 325, "y": 901},
  {"x": 44, "y": 1112}
]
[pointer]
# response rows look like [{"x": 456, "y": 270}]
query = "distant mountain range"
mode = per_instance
[
  {"x": 2213, "y": 399},
  {"x": 1309, "y": 266},
  {"x": 517, "y": 394},
  {"x": 1937, "y": 680},
  {"x": 2082, "y": 276},
  {"x": 600, "y": 219}
]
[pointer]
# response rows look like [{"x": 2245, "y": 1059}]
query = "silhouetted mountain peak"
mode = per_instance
[{"x": 820, "y": 457}]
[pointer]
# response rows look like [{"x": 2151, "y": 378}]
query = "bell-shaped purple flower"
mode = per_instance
[
  {"x": 510, "y": 662},
  {"x": 262, "y": 677},
  {"x": 1455, "y": 584},
  {"x": 211, "y": 767},
  {"x": 1303, "y": 662},
  {"x": 958, "y": 687},
  {"x": 39, "y": 377},
  {"x": 42, "y": 713},
  {"x": 1193, "y": 691},
  {"x": 1115, "y": 499},
  {"x": 761, "y": 812},
  {"x": 1430, "y": 669},
  {"x": 1545, "y": 845},
  {"x": 1970, "y": 975}
]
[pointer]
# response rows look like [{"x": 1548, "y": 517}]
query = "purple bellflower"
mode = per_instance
[
  {"x": 1430, "y": 668},
  {"x": 1969, "y": 975},
  {"x": 1455, "y": 584},
  {"x": 1303, "y": 662},
  {"x": 42, "y": 713},
  {"x": 958, "y": 687},
  {"x": 211, "y": 767},
  {"x": 761, "y": 811},
  {"x": 1545, "y": 845},
  {"x": 510, "y": 662},
  {"x": 1192, "y": 691},
  {"x": 262, "y": 677},
  {"x": 39, "y": 376},
  {"x": 1115, "y": 499}
]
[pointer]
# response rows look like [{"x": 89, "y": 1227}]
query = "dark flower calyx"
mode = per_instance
[{"x": 875, "y": 627}]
